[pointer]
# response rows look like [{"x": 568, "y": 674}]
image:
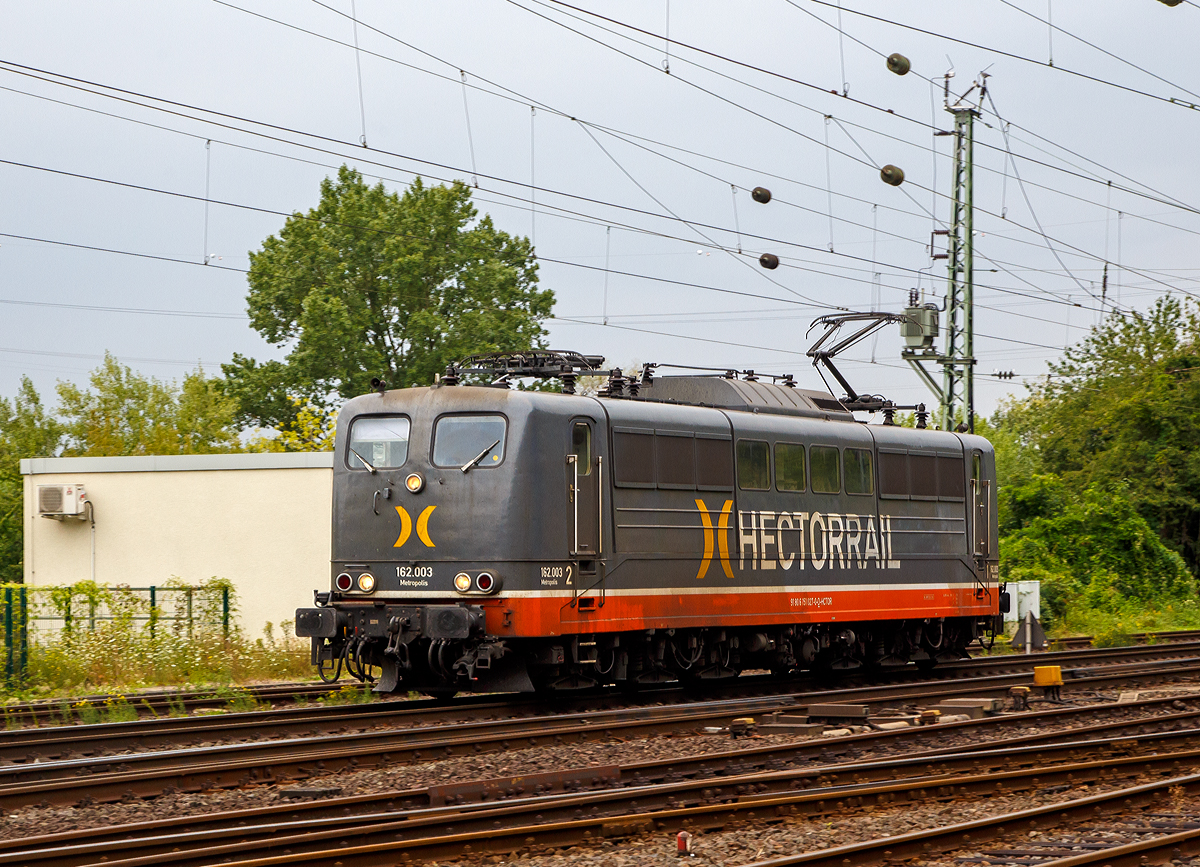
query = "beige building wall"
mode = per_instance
[{"x": 260, "y": 520}]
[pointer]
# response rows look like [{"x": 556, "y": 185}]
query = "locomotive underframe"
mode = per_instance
[{"x": 444, "y": 649}]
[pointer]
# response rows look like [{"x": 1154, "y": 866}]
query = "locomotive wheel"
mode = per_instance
[
  {"x": 926, "y": 664},
  {"x": 440, "y": 693}
]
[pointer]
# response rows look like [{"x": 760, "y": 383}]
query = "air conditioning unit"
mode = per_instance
[{"x": 60, "y": 501}]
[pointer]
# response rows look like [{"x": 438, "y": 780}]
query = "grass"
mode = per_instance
[
  {"x": 1115, "y": 629},
  {"x": 140, "y": 648},
  {"x": 349, "y": 693}
]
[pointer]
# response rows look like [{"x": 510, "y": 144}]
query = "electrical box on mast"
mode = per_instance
[{"x": 920, "y": 326}]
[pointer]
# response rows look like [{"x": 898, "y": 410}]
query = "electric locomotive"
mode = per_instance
[{"x": 668, "y": 528}]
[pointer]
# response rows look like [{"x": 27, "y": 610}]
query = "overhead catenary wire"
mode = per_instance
[
  {"x": 362, "y": 105},
  {"x": 1005, "y": 290},
  {"x": 742, "y": 63},
  {"x": 519, "y": 97},
  {"x": 1055, "y": 28},
  {"x": 737, "y": 227},
  {"x": 933, "y": 190},
  {"x": 250, "y": 121},
  {"x": 782, "y": 76},
  {"x": 470, "y": 138},
  {"x": 273, "y": 137},
  {"x": 1011, "y": 56}
]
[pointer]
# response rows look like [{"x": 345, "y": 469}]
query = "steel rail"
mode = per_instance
[
  {"x": 148, "y": 774},
  {"x": 927, "y": 843},
  {"x": 715, "y": 773},
  {"x": 42, "y": 744},
  {"x": 486, "y": 828},
  {"x": 49, "y": 712}
]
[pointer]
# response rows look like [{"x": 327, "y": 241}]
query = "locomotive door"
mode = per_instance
[
  {"x": 584, "y": 482},
  {"x": 980, "y": 500}
]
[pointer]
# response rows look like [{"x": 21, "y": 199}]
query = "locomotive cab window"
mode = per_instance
[
  {"x": 826, "y": 469},
  {"x": 383, "y": 442},
  {"x": 474, "y": 440},
  {"x": 789, "y": 467},
  {"x": 581, "y": 447},
  {"x": 753, "y": 466}
]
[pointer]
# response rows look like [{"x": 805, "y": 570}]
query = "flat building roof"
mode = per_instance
[{"x": 179, "y": 463}]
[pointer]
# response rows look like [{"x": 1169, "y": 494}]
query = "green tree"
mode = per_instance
[
  {"x": 125, "y": 413},
  {"x": 1123, "y": 407},
  {"x": 1090, "y": 550},
  {"x": 374, "y": 283},
  {"x": 26, "y": 431}
]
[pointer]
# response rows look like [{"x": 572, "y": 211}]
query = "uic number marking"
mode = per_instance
[{"x": 414, "y": 571}]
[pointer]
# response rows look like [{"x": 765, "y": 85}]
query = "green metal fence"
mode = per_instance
[{"x": 17, "y": 616}]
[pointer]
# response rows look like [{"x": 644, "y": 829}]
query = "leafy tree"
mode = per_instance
[
  {"x": 311, "y": 429},
  {"x": 1089, "y": 549},
  {"x": 374, "y": 283},
  {"x": 125, "y": 413},
  {"x": 1123, "y": 407},
  {"x": 26, "y": 431}
]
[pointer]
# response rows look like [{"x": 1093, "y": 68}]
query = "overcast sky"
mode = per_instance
[{"x": 116, "y": 117}]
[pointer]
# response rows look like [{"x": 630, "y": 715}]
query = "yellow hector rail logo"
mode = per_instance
[
  {"x": 722, "y": 538},
  {"x": 406, "y": 527}
]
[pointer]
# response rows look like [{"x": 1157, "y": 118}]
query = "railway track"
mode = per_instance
[
  {"x": 44, "y": 743},
  {"x": 164, "y": 705},
  {"x": 1079, "y": 642},
  {"x": 709, "y": 792},
  {"x": 156, "y": 703},
  {"x": 1065, "y": 828},
  {"x": 32, "y": 780}
]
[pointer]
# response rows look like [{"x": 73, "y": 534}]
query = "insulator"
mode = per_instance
[
  {"x": 769, "y": 261},
  {"x": 899, "y": 64},
  {"x": 1171, "y": 2},
  {"x": 761, "y": 195},
  {"x": 893, "y": 175}
]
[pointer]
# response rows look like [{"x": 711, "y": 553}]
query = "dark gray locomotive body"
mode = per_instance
[{"x": 487, "y": 538}]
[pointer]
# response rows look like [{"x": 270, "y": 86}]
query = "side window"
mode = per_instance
[
  {"x": 714, "y": 464},
  {"x": 825, "y": 464},
  {"x": 859, "y": 471},
  {"x": 950, "y": 477},
  {"x": 893, "y": 475},
  {"x": 789, "y": 467},
  {"x": 976, "y": 469},
  {"x": 633, "y": 458},
  {"x": 753, "y": 469},
  {"x": 581, "y": 446},
  {"x": 923, "y": 475},
  {"x": 675, "y": 458},
  {"x": 383, "y": 442}
]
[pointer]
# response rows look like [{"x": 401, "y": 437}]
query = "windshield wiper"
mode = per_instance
[
  {"x": 483, "y": 454},
  {"x": 366, "y": 463}
]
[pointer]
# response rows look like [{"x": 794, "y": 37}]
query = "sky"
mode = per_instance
[{"x": 146, "y": 148}]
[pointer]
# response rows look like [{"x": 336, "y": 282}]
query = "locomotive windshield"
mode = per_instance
[
  {"x": 469, "y": 440},
  {"x": 382, "y": 441}
]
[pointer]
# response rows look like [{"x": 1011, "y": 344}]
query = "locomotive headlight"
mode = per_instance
[
  {"x": 343, "y": 582},
  {"x": 415, "y": 483},
  {"x": 462, "y": 582},
  {"x": 366, "y": 582}
]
